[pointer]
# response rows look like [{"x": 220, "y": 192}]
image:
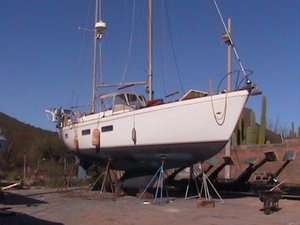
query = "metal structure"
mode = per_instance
[
  {"x": 227, "y": 40},
  {"x": 158, "y": 180},
  {"x": 270, "y": 198},
  {"x": 194, "y": 177},
  {"x": 205, "y": 189},
  {"x": 252, "y": 167},
  {"x": 99, "y": 30},
  {"x": 214, "y": 175},
  {"x": 150, "y": 50},
  {"x": 231, "y": 40},
  {"x": 288, "y": 158},
  {"x": 105, "y": 179}
]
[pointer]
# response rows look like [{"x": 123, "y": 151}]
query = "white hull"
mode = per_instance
[{"x": 195, "y": 129}]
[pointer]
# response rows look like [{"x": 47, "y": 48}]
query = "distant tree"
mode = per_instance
[{"x": 36, "y": 143}]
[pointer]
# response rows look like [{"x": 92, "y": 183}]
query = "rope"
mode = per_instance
[
  {"x": 223, "y": 118},
  {"x": 129, "y": 50}
]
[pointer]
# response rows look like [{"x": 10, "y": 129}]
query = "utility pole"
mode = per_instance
[{"x": 227, "y": 39}]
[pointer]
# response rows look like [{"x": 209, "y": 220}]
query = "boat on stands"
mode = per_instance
[{"x": 135, "y": 133}]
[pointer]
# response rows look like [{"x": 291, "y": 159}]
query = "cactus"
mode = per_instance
[
  {"x": 241, "y": 132},
  {"x": 251, "y": 132},
  {"x": 263, "y": 122},
  {"x": 298, "y": 132}
]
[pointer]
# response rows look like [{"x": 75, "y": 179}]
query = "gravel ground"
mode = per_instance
[{"x": 78, "y": 207}]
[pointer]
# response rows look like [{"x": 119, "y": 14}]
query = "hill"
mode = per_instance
[{"x": 24, "y": 139}]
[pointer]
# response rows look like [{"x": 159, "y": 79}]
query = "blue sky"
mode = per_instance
[{"x": 45, "y": 60}]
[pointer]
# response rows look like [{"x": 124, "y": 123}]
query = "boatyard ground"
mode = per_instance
[{"x": 77, "y": 207}]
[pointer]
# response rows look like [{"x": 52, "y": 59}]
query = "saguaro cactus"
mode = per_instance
[
  {"x": 251, "y": 135},
  {"x": 263, "y": 122},
  {"x": 241, "y": 132}
]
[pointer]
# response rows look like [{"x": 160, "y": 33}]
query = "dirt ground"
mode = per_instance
[{"x": 48, "y": 207}]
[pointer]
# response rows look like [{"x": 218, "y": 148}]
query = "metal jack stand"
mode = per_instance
[
  {"x": 205, "y": 188},
  {"x": 159, "y": 177},
  {"x": 194, "y": 176},
  {"x": 106, "y": 177}
]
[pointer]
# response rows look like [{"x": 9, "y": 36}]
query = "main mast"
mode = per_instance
[
  {"x": 99, "y": 30},
  {"x": 150, "y": 48}
]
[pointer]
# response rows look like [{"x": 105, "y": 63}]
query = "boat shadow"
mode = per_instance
[
  {"x": 10, "y": 198},
  {"x": 14, "y": 218}
]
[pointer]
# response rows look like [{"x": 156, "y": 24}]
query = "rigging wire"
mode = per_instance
[
  {"x": 168, "y": 21},
  {"x": 82, "y": 41},
  {"x": 161, "y": 37},
  {"x": 130, "y": 42},
  {"x": 230, "y": 38},
  {"x": 221, "y": 121}
]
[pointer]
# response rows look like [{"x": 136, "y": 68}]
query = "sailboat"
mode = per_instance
[{"x": 134, "y": 133}]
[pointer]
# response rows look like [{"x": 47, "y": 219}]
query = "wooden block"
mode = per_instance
[
  {"x": 146, "y": 195},
  {"x": 202, "y": 203}
]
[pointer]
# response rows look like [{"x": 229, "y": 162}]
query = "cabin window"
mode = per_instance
[
  {"x": 120, "y": 103},
  {"x": 66, "y": 135},
  {"x": 120, "y": 99},
  {"x": 142, "y": 99},
  {"x": 107, "y": 128},
  {"x": 86, "y": 132},
  {"x": 134, "y": 102},
  {"x": 106, "y": 103}
]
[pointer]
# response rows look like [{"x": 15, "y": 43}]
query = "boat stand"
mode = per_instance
[
  {"x": 159, "y": 180},
  {"x": 194, "y": 176},
  {"x": 106, "y": 178},
  {"x": 206, "y": 185}
]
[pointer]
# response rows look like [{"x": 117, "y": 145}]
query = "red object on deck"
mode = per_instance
[{"x": 155, "y": 102}]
